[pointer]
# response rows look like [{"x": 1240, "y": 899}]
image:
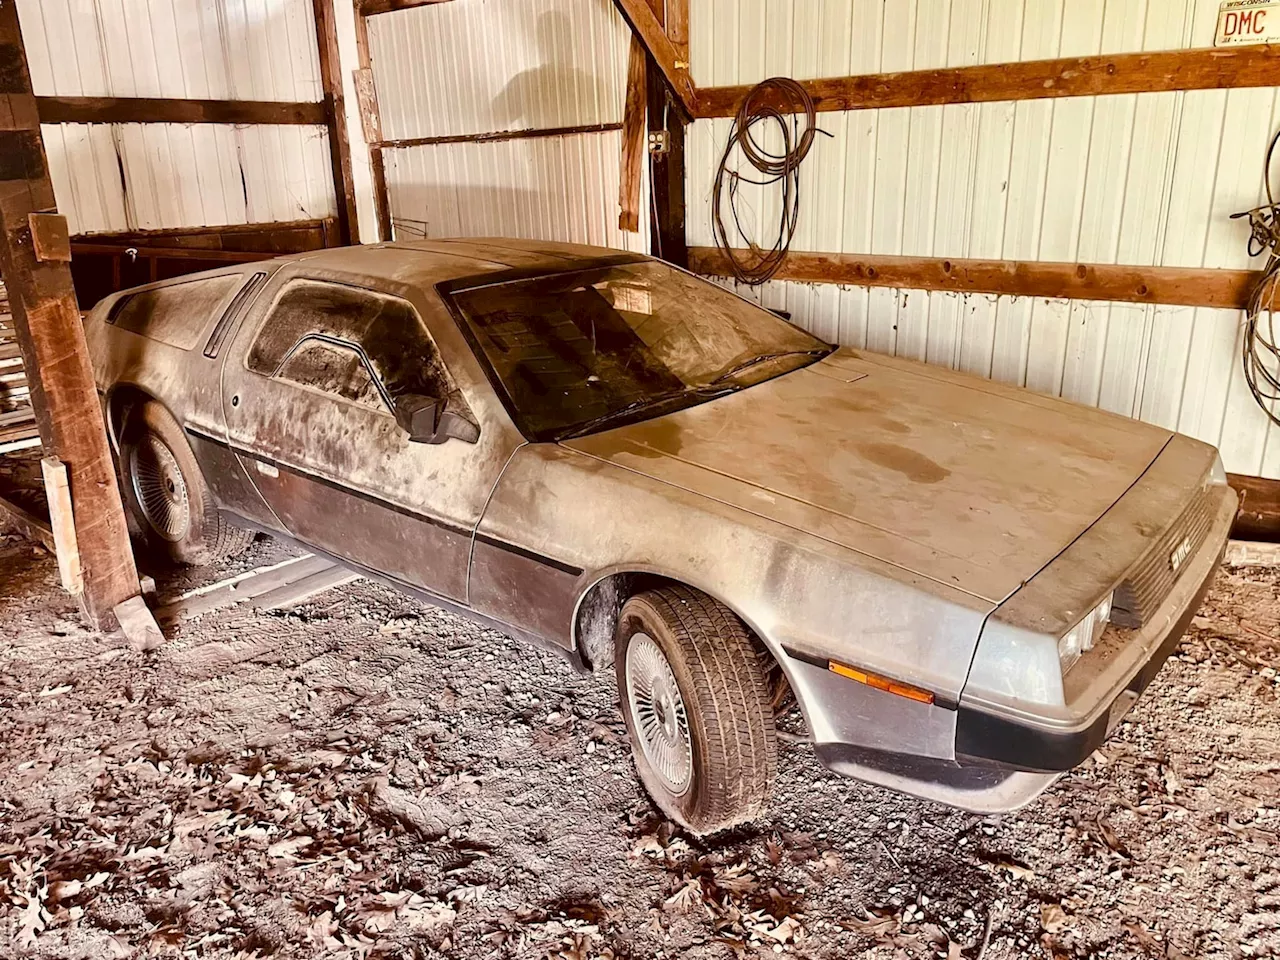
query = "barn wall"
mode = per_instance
[
  {"x": 111, "y": 177},
  {"x": 1144, "y": 179},
  {"x": 511, "y": 65}
]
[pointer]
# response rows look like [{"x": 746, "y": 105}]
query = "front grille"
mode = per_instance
[{"x": 1151, "y": 580}]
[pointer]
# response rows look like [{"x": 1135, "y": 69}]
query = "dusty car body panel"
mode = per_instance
[{"x": 926, "y": 526}]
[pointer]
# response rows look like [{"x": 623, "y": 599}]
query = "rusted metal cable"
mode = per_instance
[{"x": 757, "y": 108}]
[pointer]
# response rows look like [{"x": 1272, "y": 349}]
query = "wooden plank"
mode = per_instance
[
  {"x": 1074, "y": 281},
  {"x": 304, "y": 589},
  {"x": 367, "y": 102},
  {"x": 633, "y": 139},
  {"x": 368, "y": 8},
  {"x": 336, "y": 119},
  {"x": 245, "y": 586},
  {"x": 499, "y": 135},
  {"x": 648, "y": 27},
  {"x": 1259, "y": 516},
  {"x": 157, "y": 110},
  {"x": 1200, "y": 69},
  {"x": 57, "y": 491},
  {"x": 1247, "y": 553},
  {"x": 285, "y": 236},
  {"x": 27, "y": 524},
  {"x": 52, "y": 339},
  {"x": 171, "y": 253},
  {"x": 377, "y": 167},
  {"x": 677, "y": 24}
]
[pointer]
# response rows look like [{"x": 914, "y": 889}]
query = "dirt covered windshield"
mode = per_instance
[{"x": 592, "y": 349}]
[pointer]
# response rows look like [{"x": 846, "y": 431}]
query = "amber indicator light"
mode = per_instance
[{"x": 881, "y": 683}]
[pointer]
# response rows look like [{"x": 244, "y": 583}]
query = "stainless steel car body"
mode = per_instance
[{"x": 917, "y": 524}]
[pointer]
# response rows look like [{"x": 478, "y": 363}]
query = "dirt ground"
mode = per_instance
[{"x": 366, "y": 776}]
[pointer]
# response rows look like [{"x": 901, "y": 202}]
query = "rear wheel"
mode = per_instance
[
  {"x": 168, "y": 500},
  {"x": 694, "y": 688}
]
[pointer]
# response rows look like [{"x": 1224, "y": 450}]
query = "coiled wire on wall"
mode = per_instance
[
  {"x": 758, "y": 108},
  {"x": 1261, "y": 352}
]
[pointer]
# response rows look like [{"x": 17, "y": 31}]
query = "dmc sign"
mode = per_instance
[{"x": 1248, "y": 21}]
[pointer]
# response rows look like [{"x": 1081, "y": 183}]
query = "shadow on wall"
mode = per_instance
[
  {"x": 555, "y": 93},
  {"x": 440, "y": 210}
]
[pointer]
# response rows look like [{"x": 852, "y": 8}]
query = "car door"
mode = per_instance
[{"x": 308, "y": 393}]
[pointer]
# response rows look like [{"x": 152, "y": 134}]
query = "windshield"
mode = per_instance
[{"x": 592, "y": 349}]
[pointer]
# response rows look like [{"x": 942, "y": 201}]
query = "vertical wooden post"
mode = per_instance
[
  {"x": 372, "y": 122},
  {"x": 51, "y": 337},
  {"x": 633, "y": 140},
  {"x": 666, "y": 228},
  {"x": 336, "y": 117}
]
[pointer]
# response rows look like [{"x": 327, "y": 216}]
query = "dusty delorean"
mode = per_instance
[{"x": 964, "y": 585}]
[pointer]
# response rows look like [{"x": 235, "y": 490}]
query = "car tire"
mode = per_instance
[
  {"x": 168, "y": 500},
  {"x": 706, "y": 751}
]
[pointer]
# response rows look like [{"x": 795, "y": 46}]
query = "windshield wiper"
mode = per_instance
[
  {"x": 737, "y": 368},
  {"x": 635, "y": 406}
]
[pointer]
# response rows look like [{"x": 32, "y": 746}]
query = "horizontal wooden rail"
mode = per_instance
[
  {"x": 367, "y": 8},
  {"x": 279, "y": 236},
  {"x": 496, "y": 136},
  {"x": 1182, "y": 286},
  {"x": 1201, "y": 69},
  {"x": 161, "y": 110},
  {"x": 79, "y": 248}
]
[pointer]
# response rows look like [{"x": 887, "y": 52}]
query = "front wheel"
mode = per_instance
[{"x": 694, "y": 688}]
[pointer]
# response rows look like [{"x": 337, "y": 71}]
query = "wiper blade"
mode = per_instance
[
  {"x": 738, "y": 368},
  {"x": 643, "y": 403}
]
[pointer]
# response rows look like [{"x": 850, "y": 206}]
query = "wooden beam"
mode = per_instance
[
  {"x": 677, "y": 23},
  {"x": 57, "y": 490},
  {"x": 26, "y": 524},
  {"x": 1259, "y": 517},
  {"x": 1201, "y": 69},
  {"x": 51, "y": 338},
  {"x": 633, "y": 139},
  {"x": 667, "y": 173},
  {"x": 1184, "y": 286},
  {"x": 648, "y": 27},
  {"x": 344, "y": 189},
  {"x": 82, "y": 248},
  {"x": 283, "y": 236},
  {"x": 377, "y": 167},
  {"x": 498, "y": 135},
  {"x": 154, "y": 110},
  {"x": 368, "y": 8}
]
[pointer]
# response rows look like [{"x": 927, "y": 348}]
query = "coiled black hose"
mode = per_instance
[
  {"x": 1261, "y": 352},
  {"x": 758, "y": 107}
]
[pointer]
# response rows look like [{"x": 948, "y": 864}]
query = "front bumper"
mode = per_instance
[{"x": 985, "y": 759}]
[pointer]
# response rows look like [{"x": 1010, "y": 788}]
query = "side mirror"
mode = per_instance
[{"x": 429, "y": 420}]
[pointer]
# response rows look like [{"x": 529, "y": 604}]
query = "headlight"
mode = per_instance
[
  {"x": 1217, "y": 473},
  {"x": 1081, "y": 638}
]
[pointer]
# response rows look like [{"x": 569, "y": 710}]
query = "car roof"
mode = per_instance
[{"x": 427, "y": 262}]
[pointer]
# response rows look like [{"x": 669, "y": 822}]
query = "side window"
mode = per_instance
[
  {"x": 334, "y": 368},
  {"x": 177, "y": 313},
  {"x": 386, "y": 328}
]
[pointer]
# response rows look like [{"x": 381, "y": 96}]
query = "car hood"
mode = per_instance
[{"x": 949, "y": 477}]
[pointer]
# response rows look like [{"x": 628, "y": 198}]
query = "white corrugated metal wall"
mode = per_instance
[
  {"x": 489, "y": 66},
  {"x": 110, "y": 177},
  {"x": 1145, "y": 179}
]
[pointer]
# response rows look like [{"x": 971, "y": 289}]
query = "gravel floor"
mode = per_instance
[{"x": 365, "y": 776}]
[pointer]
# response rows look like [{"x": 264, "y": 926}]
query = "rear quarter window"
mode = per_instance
[{"x": 177, "y": 313}]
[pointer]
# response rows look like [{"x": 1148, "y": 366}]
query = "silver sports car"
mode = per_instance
[{"x": 964, "y": 586}]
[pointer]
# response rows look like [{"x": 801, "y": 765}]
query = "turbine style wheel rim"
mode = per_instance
[
  {"x": 661, "y": 720},
  {"x": 160, "y": 490}
]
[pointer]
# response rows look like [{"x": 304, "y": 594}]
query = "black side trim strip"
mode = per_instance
[
  {"x": 396, "y": 508},
  {"x": 821, "y": 663},
  {"x": 529, "y": 555}
]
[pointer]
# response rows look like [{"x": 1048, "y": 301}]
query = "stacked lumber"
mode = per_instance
[{"x": 17, "y": 419}]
